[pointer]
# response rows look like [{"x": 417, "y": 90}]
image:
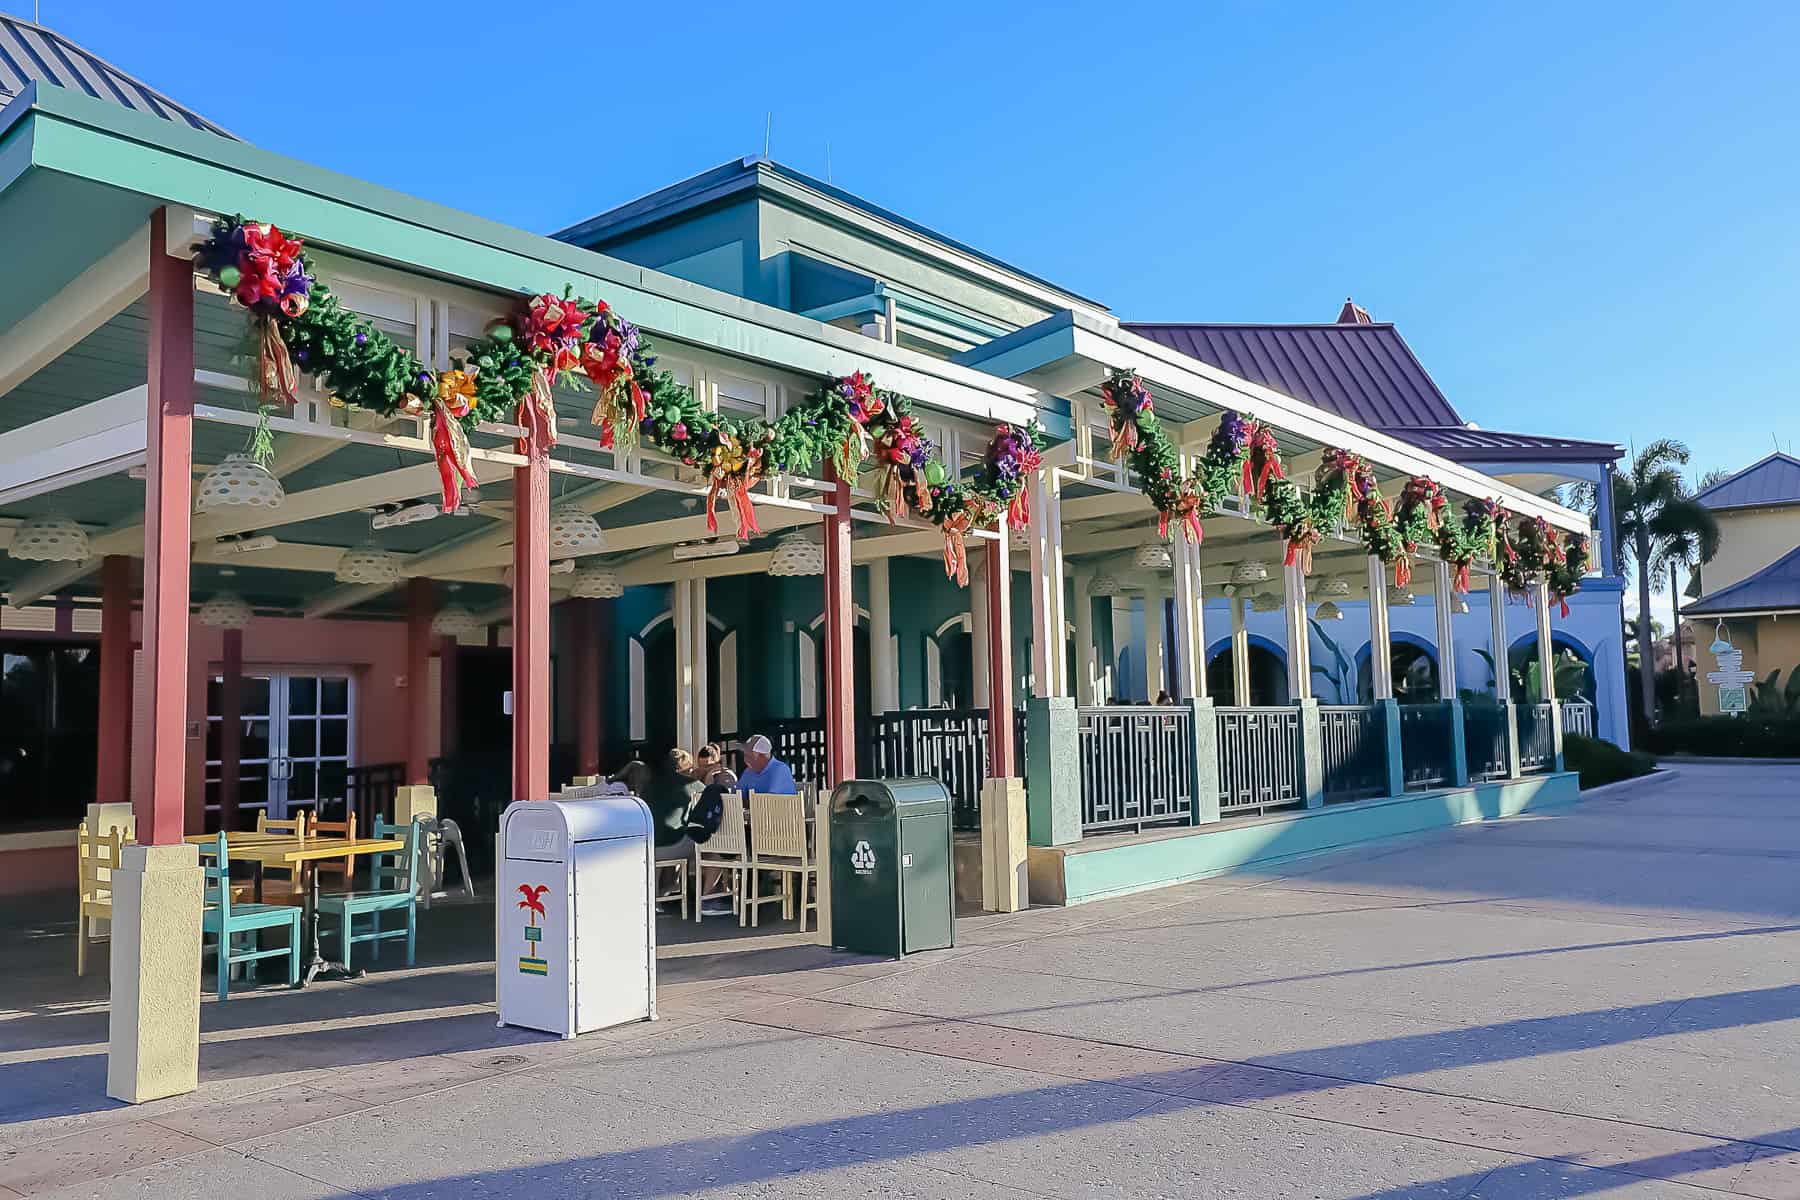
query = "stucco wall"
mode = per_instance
[
  {"x": 1768, "y": 643},
  {"x": 1750, "y": 540}
]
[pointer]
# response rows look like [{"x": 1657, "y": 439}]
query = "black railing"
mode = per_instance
[
  {"x": 1484, "y": 740},
  {"x": 1137, "y": 767},
  {"x": 948, "y": 744},
  {"x": 369, "y": 792},
  {"x": 1354, "y": 738},
  {"x": 1426, "y": 745},
  {"x": 1537, "y": 739},
  {"x": 1259, "y": 759},
  {"x": 800, "y": 743}
]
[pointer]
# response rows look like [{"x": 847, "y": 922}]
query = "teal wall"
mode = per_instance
[{"x": 716, "y": 249}]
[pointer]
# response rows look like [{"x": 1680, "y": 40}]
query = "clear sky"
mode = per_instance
[{"x": 1585, "y": 218}]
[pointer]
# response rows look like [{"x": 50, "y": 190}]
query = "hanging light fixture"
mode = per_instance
[
  {"x": 1399, "y": 597},
  {"x": 1329, "y": 611},
  {"x": 574, "y": 532},
  {"x": 1335, "y": 589},
  {"x": 226, "y": 610},
  {"x": 1459, "y": 604},
  {"x": 596, "y": 583},
  {"x": 797, "y": 554},
  {"x": 49, "y": 539},
  {"x": 1103, "y": 584},
  {"x": 1154, "y": 556},
  {"x": 454, "y": 620},
  {"x": 1265, "y": 602},
  {"x": 368, "y": 564},
  {"x": 239, "y": 482},
  {"x": 1249, "y": 573}
]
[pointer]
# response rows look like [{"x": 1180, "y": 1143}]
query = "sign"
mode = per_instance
[
  {"x": 1731, "y": 677},
  {"x": 1734, "y": 700},
  {"x": 863, "y": 858},
  {"x": 533, "y": 904}
]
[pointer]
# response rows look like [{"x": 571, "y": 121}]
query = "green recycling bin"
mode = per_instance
[{"x": 892, "y": 890}]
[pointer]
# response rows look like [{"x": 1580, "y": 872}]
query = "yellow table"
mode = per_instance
[{"x": 280, "y": 849}]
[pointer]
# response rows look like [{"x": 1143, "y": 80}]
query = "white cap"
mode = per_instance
[{"x": 757, "y": 745}]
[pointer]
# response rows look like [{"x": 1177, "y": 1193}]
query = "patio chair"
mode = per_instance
[
  {"x": 393, "y": 882},
  {"x": 441, "y": 836},
  {"x": 346, "y": 829},
  {"x": 287, "y": 880},
  {"x": 98, "y": 855},
  {"x": 225, "y": 918},
  {"x": 778, "y": 843},
  {"x": 727, "y": 850},
  {"x": 677, "y": 892}
]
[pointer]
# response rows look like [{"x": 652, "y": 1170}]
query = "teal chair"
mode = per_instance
[
  {"x": 226, "y": 920},
  {"x": 393, "y": 887}
]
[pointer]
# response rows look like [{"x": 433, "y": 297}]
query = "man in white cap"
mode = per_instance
[{"x": 763, "y": 772}]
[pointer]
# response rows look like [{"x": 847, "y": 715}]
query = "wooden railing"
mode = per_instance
[
  {"x": 1425, "y": 745},
  {"x": 1484, "y": 740},
  {"x": 1259, "y": 759},
  {"x": 1137, "y": 767},
  {"x": 1537, "y": 739},
  {"x": 1354, "y": 737}
]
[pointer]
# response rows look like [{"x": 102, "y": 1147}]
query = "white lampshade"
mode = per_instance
[
  {"x": 454, "y": 620},
  {"x": 797, "y": 554},
  {"x": 574, "y": 532},
  {"x": 1153, "y": 556},
  {"x": 1265, "y": 602},
  {"x": 1329, "y": 611},
  {"x": 49, "y": 539},
  {"x": 1335, "y": 589},
  {"x": 1459, "y": 604},
  {"x": 1399, "y": 597},
  {"x": 1103, "y": 585},
  {"x": 239, "y": 482},
  {"x": 368, "y": 564},
  {"x": 1249, "y": 573},
  {"x": 226, "y": 610},
  {"x": 596, "y": 583}
]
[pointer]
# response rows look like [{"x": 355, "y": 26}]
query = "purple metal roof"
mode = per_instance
[
  {"x": 1774, "y": 588},
  {"x": 1466, "y": 443},
  {"x": 1774, "y": 480},
  {"x": 1365, "y": 372},
  {"x": 30, "y": 52}
]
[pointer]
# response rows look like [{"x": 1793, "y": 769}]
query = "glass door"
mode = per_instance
[{"x": 296, "y": 746}]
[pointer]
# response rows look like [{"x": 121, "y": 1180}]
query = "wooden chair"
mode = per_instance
[
  {"x": 98, "y": 855},
  {"x": 346, "y": 829},
  {"x": 393, "y": 882},
  {"x": 288, "y": 881},
  {"x": 225, "y": 918},
  {"x": 778, "y": 843},
  {"x": 676, "y": 891},
  {"x": 727, "y": 850}
]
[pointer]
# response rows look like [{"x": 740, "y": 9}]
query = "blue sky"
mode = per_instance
[{"x": 1581, "y": 216}]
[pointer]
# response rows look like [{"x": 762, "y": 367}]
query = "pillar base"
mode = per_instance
[
  {"x": 1206, "y": 762},
  {"x": 1052, "y": 771},
  {"x": 1004, "y": 886},
  {"x": 153, "y": 1032},
  {"x": 1396, "y": 758},
  {"x": 1459, "y": 748},
  {"x": 1312, "y": 754},
  {"x": 414, "y": 800}
]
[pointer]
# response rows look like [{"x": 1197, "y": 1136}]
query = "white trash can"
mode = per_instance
[{"x": 575, "y": 917}]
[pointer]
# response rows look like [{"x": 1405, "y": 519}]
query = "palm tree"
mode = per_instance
[{"x": 1656, "y": 525}]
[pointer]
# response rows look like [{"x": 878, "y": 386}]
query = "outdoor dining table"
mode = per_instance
[{"x": 281, "y": 850}]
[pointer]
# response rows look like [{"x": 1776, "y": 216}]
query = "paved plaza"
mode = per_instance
[{"x": 1598, "y": 1001}]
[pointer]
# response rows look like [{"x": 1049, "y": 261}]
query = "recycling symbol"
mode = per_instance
[{"x": 863, "y": 857}]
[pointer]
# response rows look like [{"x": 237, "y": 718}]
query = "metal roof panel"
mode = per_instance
[
  {"x": 1774, "y": 588},
  {"x": 1774, "y": 480},
  {"x": 32, "y": 53}
]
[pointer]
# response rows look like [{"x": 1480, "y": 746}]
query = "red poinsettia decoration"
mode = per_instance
[
  {"x": 552, "y": 326},
  {"x": 268, "y": 260}
]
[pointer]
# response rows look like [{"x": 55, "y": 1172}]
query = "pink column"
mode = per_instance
[
  {"x": 231, "y": 731},
  {"x": 420, "y": 605},
  {"x": 168, "y": 496},
  {"x": 589, "y": 620},
  {"x": 112, "y": 782},
  {"x": 531, "y": 625},
  {"x": 1002, "y": 753},
  {"x": 840, "y": 625}
]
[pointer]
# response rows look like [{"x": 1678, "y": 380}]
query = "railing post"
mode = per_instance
[
  {"x": 1312, "y": 754},
  {"x": 1444, "y": 582},
  {"x": 1459, "y": 744},
  {"x": 1205, "y": 761},
  {"x": 1052, "y": 771}
]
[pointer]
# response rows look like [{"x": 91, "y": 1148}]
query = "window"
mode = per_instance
[{"x": 49, "y": 722}]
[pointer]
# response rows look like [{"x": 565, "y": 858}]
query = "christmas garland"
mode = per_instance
[
  {"x": 1565, "y": 577},
  {"x": 1137, "y": 435}
]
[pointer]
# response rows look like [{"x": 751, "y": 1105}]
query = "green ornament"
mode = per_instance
[
  {"x": 501, "y": 332},
  {"x": 934, "y": 473},
  {"x": 1146, "y": 420},
  {"x": 230, "y": 276},
  {"x": 672, "y": 414}
]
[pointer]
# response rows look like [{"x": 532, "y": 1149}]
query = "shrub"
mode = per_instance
[
  {"x": 1602, "y": 762},
  {"x": 1753, "y": 735}
]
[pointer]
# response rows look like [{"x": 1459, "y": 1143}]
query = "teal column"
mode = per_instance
[
  {"x": 1396, "y": 760},
  {"x": 1053, "y": 771},
  {"x": 1312, "y": 754},
  {"x": 1205, "y": 766},
  {"x": 1511, "y": 713},
  {"x": 1459, "y": 749}
]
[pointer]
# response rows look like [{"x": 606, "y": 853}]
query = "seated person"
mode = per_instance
[
  {"x": 710, "y": 768},
  {"x": 670, "y": 793},
  {"x": 763, "y": 772}
]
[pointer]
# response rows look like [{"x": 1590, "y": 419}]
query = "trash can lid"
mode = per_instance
[
  {"x": 906, "y": 797},
  {"x": 548, "y": 825}
]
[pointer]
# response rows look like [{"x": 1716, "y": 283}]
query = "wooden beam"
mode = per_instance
[{"x": 87, "y": 302}]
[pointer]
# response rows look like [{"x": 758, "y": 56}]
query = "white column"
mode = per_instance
[
  {"x": 1087, "y": 657},
  {"x": 1547, "y": 665},
  {"x": 1240, "y": 654},
  {"x": 1498, "y": 645},
  {"x": 978, "y": 622},
  {"x": 1190, "y": 620},
  {"x": 683, "y": 605},
  {"x": 1156, "y": 674},
  {"x": 1446, "y": 631},
  {"x": 1299, "y": 633},
  {"x": 1049, "y": 644},
  {"x": 702, "y": 673},
  {"x": 1381, "y": 653},
  {"x": 886, "y": 680}
]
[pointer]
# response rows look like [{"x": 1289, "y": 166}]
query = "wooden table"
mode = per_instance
[{"x": 284, "y": 850}]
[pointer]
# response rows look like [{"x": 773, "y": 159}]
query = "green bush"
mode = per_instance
[
  {"x": 1753, "y": 735},
  {"x": 1602, "y": 762}
]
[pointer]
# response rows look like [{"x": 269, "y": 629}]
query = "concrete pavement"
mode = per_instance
[{"x": 1604, "y": 1000}]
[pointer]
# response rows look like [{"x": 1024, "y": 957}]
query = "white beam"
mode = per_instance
[
  {"x": 74, "y": 446},
  {"x": 87, "y": 302}
]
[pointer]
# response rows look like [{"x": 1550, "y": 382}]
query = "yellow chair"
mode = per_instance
[
  {"x": 778, "y": 843},
  {"x": 98, "y": 855},
  {"x": 726, "y": 852},
  {"x": 295, "y": 827}
]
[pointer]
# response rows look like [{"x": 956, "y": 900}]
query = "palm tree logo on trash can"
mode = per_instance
[
  {"x": 533, "y": 904},
  {"x": 863, "y": 858}
]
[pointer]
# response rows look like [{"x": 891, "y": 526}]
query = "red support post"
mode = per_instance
[
  {"x": 421, "y": 603},
  {"x": 840, "y": 626},
  {"x": 231, "y": 731},
  {"x": 1002, "y": 751},
  {"x": 590, "y": 677},
  {"x": 112, "y": 782},
  {"x": 531, "y": 625},
  {"x": 168, "y": 501}
]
